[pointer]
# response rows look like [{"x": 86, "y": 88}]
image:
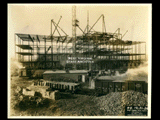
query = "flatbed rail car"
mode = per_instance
[{"x": 61, "y": 86}]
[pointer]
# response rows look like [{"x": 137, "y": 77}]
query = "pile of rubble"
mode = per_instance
[
  {"x": 114, "y": 103},
  {"x": 41, "y": 89},
  {"x": 35, "y": 96}
]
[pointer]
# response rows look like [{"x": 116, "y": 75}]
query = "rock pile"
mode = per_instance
[
  {"x": 114, "y": 103},
  {"x": 29, "y": 101}
]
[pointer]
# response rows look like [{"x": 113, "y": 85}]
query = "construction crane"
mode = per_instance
[{"x": 74, "y": 24}]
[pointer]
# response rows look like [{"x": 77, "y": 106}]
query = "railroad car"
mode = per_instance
[{"x": 61, "y": 86}]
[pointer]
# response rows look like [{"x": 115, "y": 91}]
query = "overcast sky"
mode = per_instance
[{"x": 36, "y": 19}]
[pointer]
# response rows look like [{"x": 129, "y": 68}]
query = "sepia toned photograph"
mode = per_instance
[{"x": 79, "y": 60}]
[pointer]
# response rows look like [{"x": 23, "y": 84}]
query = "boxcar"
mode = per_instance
[{"x": 107, "y": 86}]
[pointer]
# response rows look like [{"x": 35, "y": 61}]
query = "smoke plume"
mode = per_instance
[
  {"x": 139, "y": 73},
  {"x": 14, "y": 66}
]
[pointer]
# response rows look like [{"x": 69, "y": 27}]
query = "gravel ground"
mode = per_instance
[{"x": 114, "y": 103}]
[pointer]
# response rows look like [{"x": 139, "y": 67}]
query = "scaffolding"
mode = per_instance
[{"x": 107, "y": 50}]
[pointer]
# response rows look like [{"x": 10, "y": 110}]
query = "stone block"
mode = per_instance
[{"x": 28, "y": 92}]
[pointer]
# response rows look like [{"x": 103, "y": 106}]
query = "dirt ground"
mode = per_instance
[
  {"x": 76, "y": 104},
  {"x": 68, "y": 105}
]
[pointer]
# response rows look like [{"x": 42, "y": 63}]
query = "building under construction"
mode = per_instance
[{"x": 93, "y": 50}]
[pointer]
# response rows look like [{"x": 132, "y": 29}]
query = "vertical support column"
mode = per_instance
[
  {"x": 112, "y": 55},
  {"x": 37, "y": 48},
  {"x": 22, "y": 50},
  {"x": 37, "y": 54},
  {"x": 121, "y": 45},
  {"x": 139, "y": 51},
  {"x": 52, "y": 50},
  {"x": 89, "y": 53},
  {"x": 31, "y": 58},
  {"x": 28, "y": 55},
  {"x": 51, "y": 47},
  {"x": 33, "y": 64},
  {"x": 130, "y": 47},
  {"x": 18, "y": 50}
]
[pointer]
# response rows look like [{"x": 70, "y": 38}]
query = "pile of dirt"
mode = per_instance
[{"x": 114, "y": 103}]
